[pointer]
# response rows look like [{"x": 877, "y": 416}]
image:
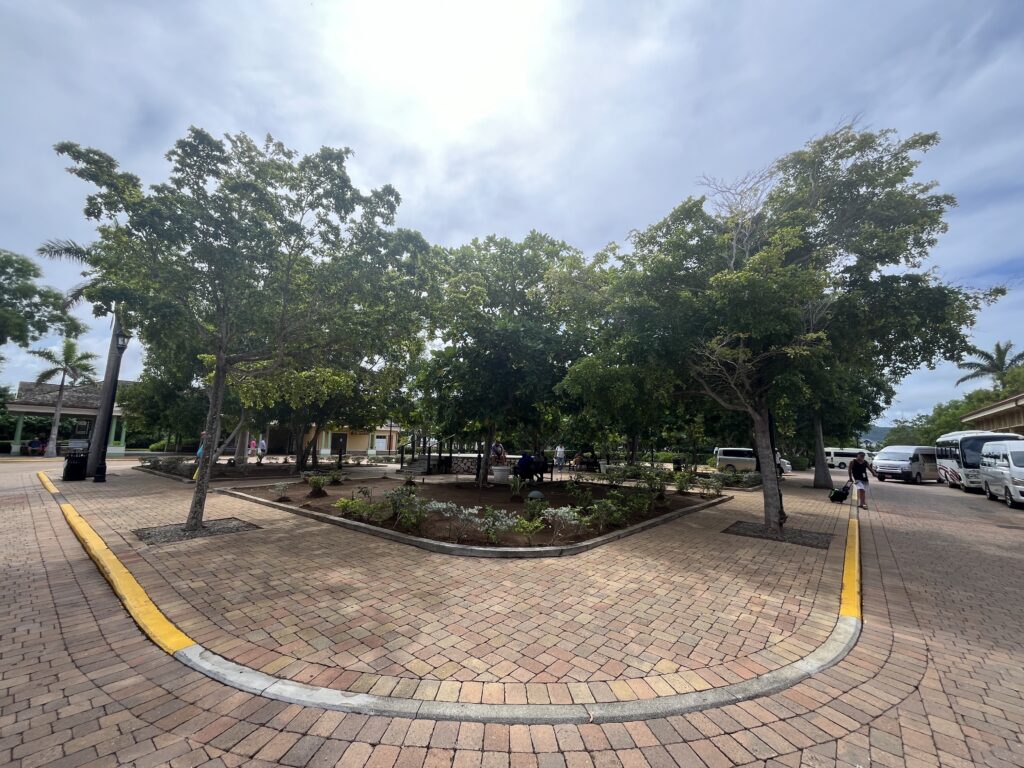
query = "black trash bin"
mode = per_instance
[
  {"x": 677, "y": 464},
  {"x": 74, "y": 465}
]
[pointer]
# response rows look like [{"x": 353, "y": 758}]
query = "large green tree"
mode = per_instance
[
  {"x": 508, "y": 331},
  {"x": 29, "y": 310},
  {"x": 248, "y": 248},
  {"x": 864, "y": 217}
]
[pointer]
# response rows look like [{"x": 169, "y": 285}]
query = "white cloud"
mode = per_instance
[{"x": 585, "y": 120}]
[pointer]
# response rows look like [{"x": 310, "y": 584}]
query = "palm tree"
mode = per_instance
[
  {"x": 72, "y": 364},
  {"x": 996, "y": 364}
]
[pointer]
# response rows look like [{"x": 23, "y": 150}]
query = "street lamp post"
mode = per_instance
[{"x": 110, "y": 391}]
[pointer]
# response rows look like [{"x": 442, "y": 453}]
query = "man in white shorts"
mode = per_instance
[{"x": 859, "y": 477}]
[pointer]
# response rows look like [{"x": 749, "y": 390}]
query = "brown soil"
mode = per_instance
[{"x": 467, "y": 495}]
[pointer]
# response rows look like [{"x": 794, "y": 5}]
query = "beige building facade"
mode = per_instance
[{"x": 1005, "y": 416}]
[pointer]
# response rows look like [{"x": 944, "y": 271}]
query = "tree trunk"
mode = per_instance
[
  {"x": 769, "y": 477},
  {"x": 485, "y": 465},
  {"x": 822, "y": 477},
  {"x": 101, "y": 427},
  {"x": 227, "y": 441},
  {"x": 242, "y": 446},
  {"x": 217, "y": 387},
  {"x": 51, "y": 445},
  {"x": 632, "y": 449}
]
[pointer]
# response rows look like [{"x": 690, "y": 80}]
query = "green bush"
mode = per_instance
[
  {"x": 710, "y": 486},
  {"x": 665, "y": 457},
  {"x": 684, "y": 481},
  {"x": 159, "y": 445},
  {"x": 605, "y": 513},
  {"x": 528, "y": 527},
  {"x": 316, "y": 485},
  {"x": 800, "y": 463},
  {"x": 363, "y": 510}
]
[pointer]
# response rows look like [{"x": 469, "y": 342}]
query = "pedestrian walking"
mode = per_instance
[
  {"x": 560, "y": 456},
  {"x": 858, "y": 472}
]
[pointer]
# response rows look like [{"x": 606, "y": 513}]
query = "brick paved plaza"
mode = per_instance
[{"x": 935, "y": 679}]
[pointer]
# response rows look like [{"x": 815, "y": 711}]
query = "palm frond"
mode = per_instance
[
  {"x": 970, "y": 376},
  {"x": 63, "y": 249},
  {"x": 46, "y": 354},
  {"x": 49, "y": 373}
]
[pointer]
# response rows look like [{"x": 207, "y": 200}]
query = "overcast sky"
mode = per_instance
[{"x": 581, "y": 119}]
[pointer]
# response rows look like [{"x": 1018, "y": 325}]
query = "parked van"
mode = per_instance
[
  {"x": 1002, "y": 471},
  {"x": 841, "y": 457},
  {"x": 735, "y": 459},
  {"x": 909, "y": 463}
]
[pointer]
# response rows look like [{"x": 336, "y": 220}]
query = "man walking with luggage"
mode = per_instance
[{"x": 859, "y": 477}]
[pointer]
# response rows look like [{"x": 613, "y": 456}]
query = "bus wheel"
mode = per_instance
[
  {"x": 842, "y": 465},
  {"x": 881, "y": 478},
  {"x": 965, "y": 489},
  {"x": 988, "y": 492},
  {"x": 730, "y": 468},
  {"x": 1008, "y": 498},
  {"x": 917, "y": 479}
]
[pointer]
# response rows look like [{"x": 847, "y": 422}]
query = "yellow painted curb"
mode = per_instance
[
  {"x": 157, "y": 627},
  {"x": 850, "y": 602}
]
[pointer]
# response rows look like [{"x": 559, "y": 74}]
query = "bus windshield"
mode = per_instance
[{"x": 970, "y": 448}]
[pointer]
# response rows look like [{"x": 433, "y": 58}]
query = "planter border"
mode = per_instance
[
  {"x": 189, "y": 480},
  {"x": 468, "y": 550}
]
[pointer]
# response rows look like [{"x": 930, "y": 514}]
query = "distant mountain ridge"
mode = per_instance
[{"x": 876, "y": 434}]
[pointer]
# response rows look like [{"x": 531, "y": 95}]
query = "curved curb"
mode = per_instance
[
  {"x": 172, "y": 640},
  {"x": 150, "y": 619},
  {"x": 468, "y": 550}
]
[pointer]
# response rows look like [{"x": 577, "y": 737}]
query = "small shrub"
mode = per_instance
[
  {"x": 363, "y": 510},
  {"x": 358, "y": 460},
  {"x": 334, "y": 477},
  {"x": 461, "y": 520},
  {"x": 534, "y": 508},
  {"x": 407, "y": 510},
  {"x": 684, "y": 481},
  {"x": 159, "y": 445},
  {"x": 563, "y": 521},
  {"x": 316, "y": 486},
  {"x": 710, "y": 487},
  {"x": 280, "y": 491},
  {"x": 606, "y": 513},
  {"x": 528, "y": 527},
  {"x": 495, "y": 522},
  {"x": 516, "y": 484},
  {"x": 639, "y": 503},
  {"x": 800, "y": 463},
  {"x": 581, "y": 494}
]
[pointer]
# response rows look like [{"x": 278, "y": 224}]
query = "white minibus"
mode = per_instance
[
  {"x": 1002, "y": 471},
  {"x": 841, "y": 457},
  {"x": 909, "y": 463},
  {"x": 959, "y": 456}
]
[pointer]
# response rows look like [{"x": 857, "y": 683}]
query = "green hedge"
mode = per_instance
[{"x": 800, "y": 463}]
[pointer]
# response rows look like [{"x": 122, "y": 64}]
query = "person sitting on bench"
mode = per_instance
[
  {"x": 524, "y": 467},
  {"x": 540, "y": 466}
]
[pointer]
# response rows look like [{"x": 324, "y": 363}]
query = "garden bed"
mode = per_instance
[{"x": 463, "y": 514}]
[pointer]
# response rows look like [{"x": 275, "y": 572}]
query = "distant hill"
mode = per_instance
[{"x": 876, "y": 434}]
